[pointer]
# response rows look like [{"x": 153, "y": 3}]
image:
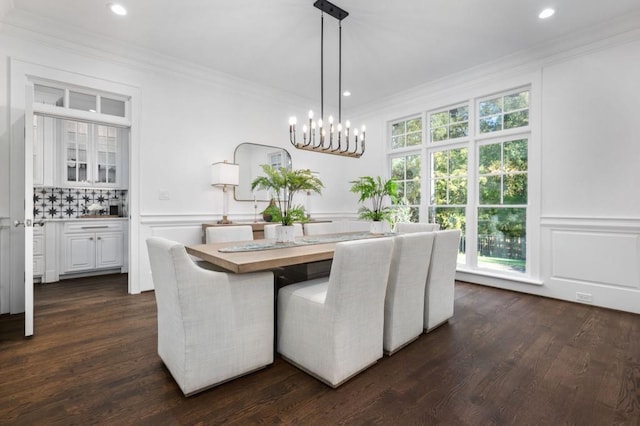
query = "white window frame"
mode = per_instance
[{"x": 472, "y": 142}]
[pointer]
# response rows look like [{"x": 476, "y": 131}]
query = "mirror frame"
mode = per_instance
[{"x": 249, "y": 170}]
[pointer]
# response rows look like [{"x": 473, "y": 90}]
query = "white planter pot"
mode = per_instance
[
  {"x": 378, "y": 227},
  {"x": 285, "y": 234}
]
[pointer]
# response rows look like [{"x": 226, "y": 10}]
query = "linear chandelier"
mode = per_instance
[{"x": 337, "y": 141}]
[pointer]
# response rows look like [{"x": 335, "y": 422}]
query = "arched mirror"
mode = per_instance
[{"x": 249, "y": 156}]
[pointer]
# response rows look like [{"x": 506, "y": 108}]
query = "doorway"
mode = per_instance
[{"x": 24, "y": 77}]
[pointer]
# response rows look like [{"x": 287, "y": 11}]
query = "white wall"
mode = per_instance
[
  {"x": 584, "y": 175},
  {"x": 586, "y": 220},
  {"x": 187, "y": 119}
]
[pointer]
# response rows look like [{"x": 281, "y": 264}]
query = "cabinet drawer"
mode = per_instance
[{"x": 99, "y": 225}]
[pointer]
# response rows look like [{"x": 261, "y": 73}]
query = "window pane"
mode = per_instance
[
  {"x": 112, "y": 107},
  {"x": 414, "y": 139},
  {"x": 458, "y": 191},
  {"x": 459, "y": 130},
  {"x": 413, "y": 191},
  {"x": 490, "y": 107},
  {"x": 397, "y": 168},
  {"x": 489, "y": 189},
  {"x": 458, "y": 162},
  {"x": 439, "y": 134},
  {"x": 413, "y": 166},
  {"x": 502, "y": 239},
  {"x": 414, "y": 125},
  {"x": 406, "y": 133},
  {"x": 397, "y": 129},
  {"x": 490, "y": 159},
  {"x": 515, "y": 189},
  {"x": 459, "y": 114},
  {"x": 440, "y": 119},
  {"x": 82, "y": 101},
  {"x": 397, "y": 141},
  {"x": 48, "y": 95},
  {"x": 440, "y": 163},
  {"x": 516, "y": 119},
  {"x": 515, "y": 156},
  {"x": 491, "y": 124},
  {"x": 516, "y": 101},
  {"x": 439, "y": 192}
]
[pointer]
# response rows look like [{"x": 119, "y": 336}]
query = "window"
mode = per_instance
[
  {"x": 448, "y": 183},
  {"x": 502, "y": 212},
  {"x": 406, "y": 133},
  {"x": 449, "y": 124},
  {"x": 48, "y": 95},
  {"x": 405, "y": 170},
  {"x": 475, "y": 177},
  {"x": 504, "y": 112},
  {"x": 62, "y": 96}
]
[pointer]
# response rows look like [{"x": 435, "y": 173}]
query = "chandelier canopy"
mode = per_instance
[{"x": 341, "y": 139}]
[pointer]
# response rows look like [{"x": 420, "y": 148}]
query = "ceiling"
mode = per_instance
[{"x": 388, "y": 47}]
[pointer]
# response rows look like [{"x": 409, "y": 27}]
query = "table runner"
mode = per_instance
[{"x": 303, "y": 241}]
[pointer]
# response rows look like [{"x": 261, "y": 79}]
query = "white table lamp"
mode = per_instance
[{"x": 225, "y": 174}]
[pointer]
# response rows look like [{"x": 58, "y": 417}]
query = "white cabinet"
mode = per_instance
[
  {"x": 92, "y": 245},
  {"x": 38, "y": 252},
  {"x": 78, "y": 154},
  {"x": 45, "y": 131},
  {"x": 93, "y": 155}
]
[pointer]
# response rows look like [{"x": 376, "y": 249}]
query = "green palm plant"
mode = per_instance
[
  {"x": 285, "y": 183},
  {"x": 375, "y": 190}
]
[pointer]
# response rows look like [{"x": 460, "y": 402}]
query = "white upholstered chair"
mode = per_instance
[
  {"x": 407, "y": 227},
  {"x": 440, "y": 291},
  {"x": 225, "y": 234},
  {"x": 404, "y": 302},
  {"x": 270, "y": 230},
  {"x": 212, "y": 326},
  {"x": 332, "y": 327},
  {"x": 312, "y": 228}
]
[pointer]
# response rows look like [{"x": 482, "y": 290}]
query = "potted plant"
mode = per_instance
[
  {"x": 375, "y": 189},
  {"x": 284, "y": 184}
]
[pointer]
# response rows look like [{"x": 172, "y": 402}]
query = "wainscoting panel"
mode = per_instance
[{"x": 598, "y": 257}]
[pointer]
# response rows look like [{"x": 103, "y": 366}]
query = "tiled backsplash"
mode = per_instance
[{"x": 72, "y": 203}]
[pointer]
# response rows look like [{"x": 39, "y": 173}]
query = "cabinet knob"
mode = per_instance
[
  {"x": 90, "y": 238},
  {"x": 99, "y": 238}
]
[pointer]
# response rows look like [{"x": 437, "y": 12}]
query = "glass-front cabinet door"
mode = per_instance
[
  {"x": 107, "y": 154},
  {"x": 76, "y": 138},
  {"x": 92, "y": 154}
]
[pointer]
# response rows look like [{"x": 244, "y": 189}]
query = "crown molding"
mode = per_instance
[
  {"x": 32, "y": 28},
  {"x": 606, "y": 34}
]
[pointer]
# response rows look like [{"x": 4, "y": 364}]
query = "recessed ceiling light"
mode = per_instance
[
  {"x": 547, "y": 13},
  {"x": 116, "y": 8},
  {"x": 346, "y": 93}
]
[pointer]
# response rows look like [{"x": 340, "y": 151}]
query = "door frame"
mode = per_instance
[{"x": 21, "y": 74}]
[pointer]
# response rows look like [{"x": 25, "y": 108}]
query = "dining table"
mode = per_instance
[{"x": 263, "y": 255}]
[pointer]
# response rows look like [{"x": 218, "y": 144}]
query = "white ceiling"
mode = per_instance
[{"x": 388, "y": 47}]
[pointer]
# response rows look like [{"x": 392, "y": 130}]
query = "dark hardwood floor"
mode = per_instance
[{"x": 505, "y": 358}]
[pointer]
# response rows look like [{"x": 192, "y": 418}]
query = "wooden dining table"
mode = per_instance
[
  {"x": 305, "y": 251},
  {"x": 261, "y": 260}
]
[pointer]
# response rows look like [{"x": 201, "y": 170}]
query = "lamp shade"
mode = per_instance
[{"x": 225, "y": 174}]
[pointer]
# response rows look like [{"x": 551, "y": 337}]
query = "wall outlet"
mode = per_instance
[
  {"x": 163, "y": 195},
  {"x": 584, "y": 297}
]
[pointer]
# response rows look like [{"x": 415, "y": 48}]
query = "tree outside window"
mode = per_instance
[
  {"x": 447, "y": 204},
  {"x": 405, "y": 170},
  {"x": 502, "y": 192}
]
